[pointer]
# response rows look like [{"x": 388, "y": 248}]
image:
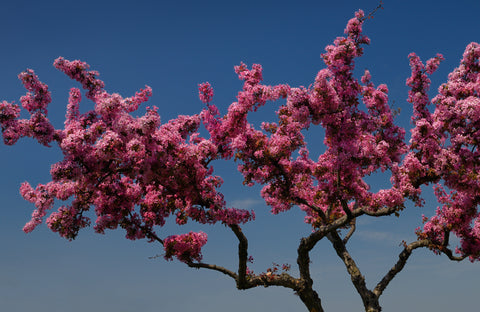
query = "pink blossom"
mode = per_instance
[
  {"x": 135, "y": 172},
  {"x": 185, "y": 247},
  {"x": 205, "y": 92},
  {"x": 40, "y": 98}
]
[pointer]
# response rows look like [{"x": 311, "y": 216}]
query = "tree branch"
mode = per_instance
[
  {"x": 284, "y": 279},
  {"x": 306, "y": 293},
  {"x": 213, "y": 267},
  {"x": 447, "y": 251},
  {"x": 329, "y": 210},
  {"x": 320, "y": 212},
  {"x": 350, "y": 233},
  {"x": 450, "y": 255},
  {"x": 346, "y": 209},
  {"x": 402, "y": 260},
  {"x": 380, "y": 212},
  {"x": 370, "y": 300},
  {"x": 370, "y": 15},
  {"x": 297, "y": 199},
  {"x": 245, "y": 281},
  {"x": 242, "y": 255}
]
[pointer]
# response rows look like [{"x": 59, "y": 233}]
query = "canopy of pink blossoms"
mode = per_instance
[{"x": 135, "y": 172}]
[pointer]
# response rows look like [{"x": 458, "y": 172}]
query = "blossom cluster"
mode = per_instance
[
  {"x": 358, "y": 142},
  {"x": 35, "y": 102},
  {"x": 185, "y": 247},
  {"x": 444, "y": 147},
  {"x": 205, "y": 92},
  {"x": 137, "y": 171},
  {"x": 134, "y": 172}
]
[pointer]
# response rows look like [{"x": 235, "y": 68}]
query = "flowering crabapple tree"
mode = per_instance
[{"x": 135, "y": 172}]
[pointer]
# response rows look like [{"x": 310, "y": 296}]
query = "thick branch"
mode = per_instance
[
  {"x": 342, "y": 221},
  {"x": 242, "y": 256},
  {"x": 307, "y": 294},
  {"x": 303, "y": 260},
  {"x": 402, "y": 259},
  {"x": 284, "y": 279},
  {"x": 370, "y": 301},
  {"x": 245, "y": 282},
  {"x": 378, "y": 213},
  {"x": 405, "y": 254},
  {"x": 309, "y": 242}
]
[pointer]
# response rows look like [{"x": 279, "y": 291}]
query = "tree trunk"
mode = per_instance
[
  {"x": 373, "y": 306},
  {"x": 311, "y": 300}
]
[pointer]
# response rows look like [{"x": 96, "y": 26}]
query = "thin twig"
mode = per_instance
[
  {"x": 212, "y": 267},
  {"x": 370, "y": 15}
]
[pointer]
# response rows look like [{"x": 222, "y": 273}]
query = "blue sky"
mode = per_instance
[{"x": 172, "y": 46}]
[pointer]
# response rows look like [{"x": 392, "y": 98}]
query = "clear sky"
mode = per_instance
[{"x": 173, "y": 46}]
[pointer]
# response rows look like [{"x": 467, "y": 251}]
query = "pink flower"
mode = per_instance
[
  {"x": 205, "y": 92},
  {"x": 135, "y": 171},
  {"x": 185, "y": 247}
]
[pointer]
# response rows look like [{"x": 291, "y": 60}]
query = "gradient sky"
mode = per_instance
[{"x": 173, "y": 46}]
